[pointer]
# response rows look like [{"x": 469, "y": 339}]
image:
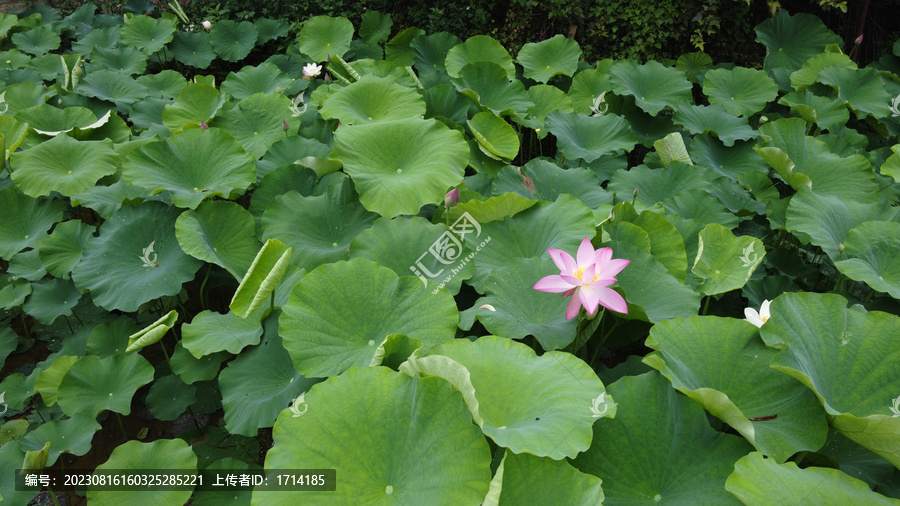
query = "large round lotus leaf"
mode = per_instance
[
  {"x": 694, "y": 65},
  {"x": 46, "y": 119},
  {"x": 826, "y": 219},
  {"x": 430, "y": 51},
  {"x": 412, "y": 441},
  {"x": 164, "y": 455},
  {"x": 526, "y": 479},
  {"x": 722, "y": 364},
  {"x": 550, "y": 181},
  {"x": 546, "y": 99},
  {"x": 652, "y": 85},
  {"x": 233, "y": 41},
  {"x": 111, "y": 338},
  {"x": 428, "y": 251},
  {"x": 135, "y": 259},
  {"x": 698, "y": 119},
  {"x": 443, "y": 100},
  {"x": 479, "y": 48},
  {"x": 517, "y": 311},
  {"x": 47, "y": 382},
  {"x": 193, "y": 49},
  {"x": 587, "y": 86},
  {"x": 191, "y": 369},
  {"x": 330, "y": 222},
  {"x": 13, "y": 291},
  {"x": 540, "y": 405},
  {"x": 846, "y": 358},
  {"x": 790, "y": 41},
  {"x": 550, "y": 57},
  {"x": 375, "y": 27},
  {"x": 211, "y": 332},
  {"x": 62, "y": 165},
  {"x": 496, "y": 138},
  {"x": 259, "y": 384},
  {"x": 733, "y": 162},
  {"x": 488, "y": 85},
  {"x": 106, "y": 200},
  {"x": 491, "y": 209},
  {"x": 701, "y": 206},
  {"x": 37, "y": 41},
  {"x": 127, "y": 60},
  {"x": 871, "y": 250},
  {"x": 111, "y": 86},
  {"x": 725, "y": 262},
  {"x": 280, "y": 181},
  {"x": 27, "y": 265},
  {"x": 324, "y": 36},
  {"x": 399, "y": 166},
  {"x": 590, "y": 137},
  {"x": 192, "y": 165},
  {"x": 263, "y": 78},
  {"x": 660, "y": 448},
  {"x": 219, "y": 232},
  {"x": 13, "y": 132},
  {"x": 26, "y": 221},
  {"x": 740, "y": 90},
  {"x": 562, "y": 224},
  {"x": 147, "y": 33},
  {"x": 169, "y": 396},
  {"x": 372, "y": 99},
  {"x": 258, "y": 121},
  {"x": 72, "y": 435},
  {"x": 196, "y": 103},
  {"x": 758, "y": 480},
  {"x": 329, "y": 327},
  {"x": 94, "y": 384},
  {"x": 861, "y": 89},
  {"x": 51, "y": 299},
  {"x": 809, "y": 72}
]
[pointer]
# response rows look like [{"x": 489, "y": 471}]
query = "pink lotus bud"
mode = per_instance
[
  {"x": 284, "y": 125},
  {"x": 858, "y": 40},
  {"x": 451, "y": 198},
  {"x": 203, "y": 125}
]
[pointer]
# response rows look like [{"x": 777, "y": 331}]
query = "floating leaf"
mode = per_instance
[
  {"x": 94, "y": 384},
  {"x": 194, "y": 49},
  {"x": 162, "y": 456},
  {"x": 169, "y": 397},
  {"x": 151, "y": 333},
  {"x": 27, "y": 221},
  {"x": 62, "y": 165},
  {"x": 72, "y": 435}
]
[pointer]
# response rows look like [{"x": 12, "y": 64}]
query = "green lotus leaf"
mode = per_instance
[
  {"x": 846, "y": 358},
  {"x": 258, "y": 121},
  {"x": 7, "y": 22},
  {"x": 324, "y": 337},
  {"x": 13, "y": 291},
  {"x": 760, "y": 480},
  {"x": 863, "y": 90},
  {"x": 165, "y": 84},
  {"x": 652, "y": 85},
  {"x": 233, "y": 41},
  {"x": 192, "y": 370},
  {"x": 47, "y": 66},
  {"x": 126, "y": 60},
  {"x": 666, "y": 243},
  {"x": 372, "y": 99},
  {"x": 546, "y": 99},
  {"x": 280, "y": 181},
  {"x": 694, "y": 65},
  {"x": 48, "y": 381},
  {"x": 258, "y": 385},
  {"x": 72, "y": 436},
  {"x": 51, "y": 299},
  {"x": 588, "y": 86},
  {"x": 395, "y": 350},
  {"x": 524, "y": 478},
  {"x": 661, "y": 448},
  {"x": 589, "y": 138},
  {"x": 11, "y": 456},
  {"x": 62, "y": 165},
  {"x": 211, "y": 332},
  {"x": 827, "y": 113},
  {"x": 488, "y": 85},
  {"x": 491, "y": 209},
  {"x": 870, "y": 250},
  {"x": 375, "y": 27},
  {"x": 262, "y": 277},
  {"x": 891, "y": 166},
  {"x": 263, "y": 78},
  {"x": 111, "y": 86},
  {"x": 13, "y": 133},
  {"x": 543, "y": 405},
  {"x": 516, "y": 310},
  {"x": 479, "y": 48},
  {"x": 9, "y": 341},
  {"x": 826, "y": 219},
  {"x": 147, "y": 33},
  {"x": 421, "y": 446},
  {"x": 36, "y": 460},
  {"x": 194, "y": 49},
  {"x": 106, "y": 200},
  {"x": 496, "y": 138},
  {"x": 164, "y": 455},
  {"x": 562, "y": 224},
  {"x": 49, "y": 120},
  {"x": 725, "y": 262},
  {"x": 722, "y": 364},
  {"x": 656, "y": 185},
  {"x": 741, "y": 91},
  {"x": 196, "y": 103},
  {"x": 430, "y": 51},
  {"x": 26, "y": 221},
  {"x": 398, "y": 50},
  {"x": 27, "y": 265},
  {"x": 37, "y": 41},
  {"x": 550, "y": 57},
  {"x": 399, "y": 166},
  {"x": 135, "y": 259},
  {"x": 808, "y": 74},
  {"x": 698, "y": 119},
  {"x": 169, "y": 397},
  {"x": 271, "y": 29},
  {"x": 324, "y": 36},
  {"x": 192, "y": 165},
  {"x": 736, "y": 162},
  {"x": 219, "y": 232},
  {"x": 790, "y": 41},
  {"x": 94, "y": 384},
  {"x": 98, "y": 37},
  {"x": 550, "y": 181},
  {"x": 152, "y": 333},
  {"x": 110, "y": 338},
  {"x": 671, "y": 148}
]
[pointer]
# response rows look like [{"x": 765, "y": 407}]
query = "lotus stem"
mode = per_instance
[
  {"x": 203, "y": 287},
  {"x": 412, "y": 74},
  {"x": 354, "y": 75},
  {"x": 121, "y": 425}
]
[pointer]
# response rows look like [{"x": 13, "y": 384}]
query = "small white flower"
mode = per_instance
[
  {"x": 759, "y": 318},
  {"x": 311, "y": 71},
  {"x": 895, "y": 409},
  {"x": 295, "y": 406},
  {"x": 746, "y": 259},
  {"x": 595, "y": 406},
  {"x": 206, "y": 24},
  {"x": 296, "y": 110},
  {"x": 149, "y": 261}
]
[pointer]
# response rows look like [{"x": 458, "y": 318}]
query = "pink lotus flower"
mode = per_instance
[{"x": 587, "y": 280}]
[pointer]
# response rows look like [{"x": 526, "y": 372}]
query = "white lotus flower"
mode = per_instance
[
  {"x": 206, "y": 24},
  {"x": 759, "y": 318},
  {"x": 311, "y": 71}
]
